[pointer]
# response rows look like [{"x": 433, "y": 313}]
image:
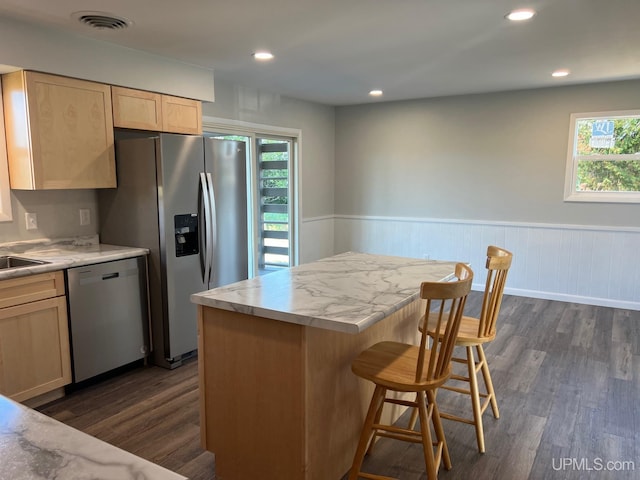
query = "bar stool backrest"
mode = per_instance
[
  {"x": 498, "y": 264},
  {"x": 446, "y": 300}
]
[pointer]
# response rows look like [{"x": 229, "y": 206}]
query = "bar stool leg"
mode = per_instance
[
  {"x": 377, "y": 400},
  {"x": 437, "y": 426},
  {"x": 475, "y": 399},
  {"x": 487, "y": 381},
  {"x": 427, "y": 442},
  {"x": 414, "y": 415},
  {"x": 372, "y": 440}
]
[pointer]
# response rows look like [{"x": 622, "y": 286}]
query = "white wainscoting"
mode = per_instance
[
  {"x": 316, "y": 238},
  {"x": 573, "y": 263}
]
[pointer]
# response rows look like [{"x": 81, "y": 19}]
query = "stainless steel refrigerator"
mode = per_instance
[{"x": 184, "y": 198}]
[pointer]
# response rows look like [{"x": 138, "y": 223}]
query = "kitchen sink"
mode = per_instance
[{"x": 9, "y": 261}]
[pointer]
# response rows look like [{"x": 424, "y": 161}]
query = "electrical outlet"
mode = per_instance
[
  {"x": 85, "y": 216},
  {"x": 31, "y": 220}
]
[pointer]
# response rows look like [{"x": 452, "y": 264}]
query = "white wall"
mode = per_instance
[
  {"x": 26, "y": 46},
  {"x": 57, "y": 211},
  {"x": 316, "y": 122},
  {"x": 445, "y": 177},
  {"x": 483, "y": 157}
]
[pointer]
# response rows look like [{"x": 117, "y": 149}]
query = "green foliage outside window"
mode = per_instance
[
  {"x": 275, "y": 178},
  {"x": 609, "y": 174}
]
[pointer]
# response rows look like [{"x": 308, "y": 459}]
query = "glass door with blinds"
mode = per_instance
[
  {"x": 274, "y": 224},
  {"x": 272, "y": 197}
]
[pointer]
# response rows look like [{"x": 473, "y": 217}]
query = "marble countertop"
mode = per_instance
[
  {"x": 34, "y": 447},
  {"x": 63, "y": 253},
  {"x": 347, "y": 292}
]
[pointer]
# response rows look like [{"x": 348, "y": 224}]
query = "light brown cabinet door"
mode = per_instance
[
  {"x": 16, "y": 291},
  {"x": 181, "y": 115},
  {"x": 136, "y": 109},
  {"x": 34, "y": 348},
  {"x": 142, "y": 110},
  {"x": 59, "y": 132}
]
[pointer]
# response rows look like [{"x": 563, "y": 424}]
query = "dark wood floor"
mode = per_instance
[
  {"x": 567, "y": 378},
  {"x": 149, "y": 411}
]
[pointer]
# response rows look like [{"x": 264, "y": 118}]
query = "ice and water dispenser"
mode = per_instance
[{"x": 186, "y": 231}]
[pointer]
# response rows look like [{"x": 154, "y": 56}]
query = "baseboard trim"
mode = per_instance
[{"x": 562, "y": 297}]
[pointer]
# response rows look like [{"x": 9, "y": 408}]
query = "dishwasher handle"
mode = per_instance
[{"x": 86, "y": 276}]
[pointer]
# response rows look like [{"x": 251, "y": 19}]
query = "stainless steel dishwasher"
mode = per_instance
[{"x": 108, "y": 316}]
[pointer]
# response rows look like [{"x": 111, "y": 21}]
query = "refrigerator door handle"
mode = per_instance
[
  {"x": 208, "y": 250},
  {"x": 213, "y": 225}
]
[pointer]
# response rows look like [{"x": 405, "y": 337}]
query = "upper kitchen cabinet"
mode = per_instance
[
  {"x": 136, "y": 109},
  {"x": 59, "y": 132},
  {"x": 181, "y": 115},
  {"x": 143, "y": 110}
]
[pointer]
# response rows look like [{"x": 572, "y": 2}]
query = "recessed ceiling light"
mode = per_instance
[
  {"x": 520, "y": 15},
  {"x": 560, "y": 73},
  {"x": 375, "y": 93},
  {"x": 263, "y": 55}
]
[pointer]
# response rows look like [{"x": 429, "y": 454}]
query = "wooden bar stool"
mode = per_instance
[
  {"x": 400, "y": 367},
  {"x": 473, "y": 333}
]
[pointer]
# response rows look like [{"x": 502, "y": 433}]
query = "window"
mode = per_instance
[{"x": 603, "y": 163}]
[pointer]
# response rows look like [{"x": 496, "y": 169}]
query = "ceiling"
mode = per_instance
[{"x": 336, "y": 51}]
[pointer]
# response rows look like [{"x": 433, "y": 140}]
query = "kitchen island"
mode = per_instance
[{"x": 278, "y": 399}]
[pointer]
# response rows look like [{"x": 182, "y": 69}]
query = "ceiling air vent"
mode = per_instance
[{"x": 102, "y": 21}]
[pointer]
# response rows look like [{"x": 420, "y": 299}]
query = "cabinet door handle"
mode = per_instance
[{"x": 110, "y": 275}]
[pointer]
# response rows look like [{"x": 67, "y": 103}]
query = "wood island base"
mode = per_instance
[{"x": 278, "y": 400}]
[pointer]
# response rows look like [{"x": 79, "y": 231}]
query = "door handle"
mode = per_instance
[
  {"x": 214, "y": 226},
  {"x": 207, "y": 227}
]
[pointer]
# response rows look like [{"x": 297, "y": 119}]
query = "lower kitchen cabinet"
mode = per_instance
[{"x": 34, "y": 336}]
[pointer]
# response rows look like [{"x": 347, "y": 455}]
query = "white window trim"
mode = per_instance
[
  {"x": 5, "y": 191},
  {"x": 570, "y": 194},
  {"x": 226, "y": 125}
]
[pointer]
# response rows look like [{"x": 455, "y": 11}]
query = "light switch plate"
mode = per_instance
[
  {"x": 85, "y": 216},
  {"x": 31, "y": 220}
]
